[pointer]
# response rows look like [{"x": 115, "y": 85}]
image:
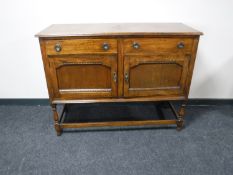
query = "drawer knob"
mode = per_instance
[
  {"x": 135, "y": 45},
  {"x": 180, "y": 45},
  {"x": 115, "y": 77},
  {"x": 57, "y": 48},
  {"x": 106, "y": 46},
  {"x": 126, "y": 77}
]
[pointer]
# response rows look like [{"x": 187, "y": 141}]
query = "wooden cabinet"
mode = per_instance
[{"x": 118, "y": 63}]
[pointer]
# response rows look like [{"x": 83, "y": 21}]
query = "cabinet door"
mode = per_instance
[
  {"x": 84, "y": 76},
  {"x": 155, "y": 75}
]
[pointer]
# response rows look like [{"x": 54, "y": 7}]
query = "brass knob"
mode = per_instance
[
  {"x": 126, "y": 77},
  {"x": 135, "y": 45},
  {"x": 105, "y": 46},
  {"x": 57, "y": 47},
  {"x": 115, "y": 77},
  {"x": 180, "y": 45}
]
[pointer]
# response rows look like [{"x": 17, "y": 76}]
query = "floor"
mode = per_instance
[{"x": 29, "y": 145}]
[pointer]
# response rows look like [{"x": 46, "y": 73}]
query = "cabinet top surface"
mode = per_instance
[{"x": 118, "y": 29}]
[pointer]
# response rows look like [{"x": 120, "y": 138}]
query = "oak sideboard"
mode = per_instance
[{"x": 128, "y": 62}]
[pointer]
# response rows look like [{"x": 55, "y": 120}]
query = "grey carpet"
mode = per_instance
[{"x": 28, "y": 144}]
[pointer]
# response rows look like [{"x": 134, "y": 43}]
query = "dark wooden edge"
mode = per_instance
[
  {"x": 45, "y": 101},
  {"x": 173, "y": 110},
  {"x": 119, "y": 100},
  {"x": 150, "y": 34},
  {"x": 62, "y": 116},
  {"x": 117, "y": 123},
  {"x": 116, "y": 37}
]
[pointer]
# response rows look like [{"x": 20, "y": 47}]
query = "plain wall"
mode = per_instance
[{"x": 21, "y": 69}]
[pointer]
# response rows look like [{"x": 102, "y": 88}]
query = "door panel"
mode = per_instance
[
  {"x": 71, "y": 77},
  {"x": 157, "y": 79},
  {"x": 155, "y": 75},
  {"x": 85, "y": 76}
]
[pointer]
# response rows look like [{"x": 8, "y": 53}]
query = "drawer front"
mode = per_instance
[
  {"x": 81, "y": 46},
  {"x": 157, "y": 45}
]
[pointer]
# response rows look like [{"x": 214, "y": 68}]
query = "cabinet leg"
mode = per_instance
[
  {"x": 56, "y": 120},
  {"x": 181, "y": 113}
]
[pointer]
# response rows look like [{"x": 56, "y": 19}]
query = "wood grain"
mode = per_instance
[
  {"x": 81, "y": 46},
  {"x": 118, "y": 100},
  {"x": 118, "y": 29},
  {"x": 155, "y": 75},
  {"x": 120, "y": 123},
  {"x": 89, "y": 76},
  {"x": 157, "y": 45}
]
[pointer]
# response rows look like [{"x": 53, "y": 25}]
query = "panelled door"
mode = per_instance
[
  {"x": 86, "y": 76},
  {"x": 150, "y": 75}
]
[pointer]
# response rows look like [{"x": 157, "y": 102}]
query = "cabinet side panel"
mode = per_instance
[
  {"x": 191, "y": 66},
  {"x": 46, "y": 68}
]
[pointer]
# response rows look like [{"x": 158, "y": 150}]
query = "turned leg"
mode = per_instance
[
  {"x": 181, "y": 112},
  {"x": 56, "y": 120}
]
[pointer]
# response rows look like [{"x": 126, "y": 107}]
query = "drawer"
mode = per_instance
[
  {"x": 157, "y": 45},
  {"x": 81, "y": 46}
]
